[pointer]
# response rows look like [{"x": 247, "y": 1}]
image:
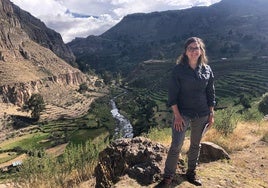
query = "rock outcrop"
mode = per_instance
[
  {"x": 142, "y": 160},
  {"x": 139, "y": 158},
  {"x": 19, "y": 93}
]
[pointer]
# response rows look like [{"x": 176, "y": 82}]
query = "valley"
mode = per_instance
[{"x": 131, "y": 66}]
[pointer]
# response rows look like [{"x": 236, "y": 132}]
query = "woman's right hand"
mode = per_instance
[{"x": 178, "y": 122}]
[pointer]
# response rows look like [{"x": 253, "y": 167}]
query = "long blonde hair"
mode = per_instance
[{"x": 203, "y": 57}]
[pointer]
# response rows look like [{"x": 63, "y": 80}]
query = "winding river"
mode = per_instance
[{"x": 124, "y": 128}]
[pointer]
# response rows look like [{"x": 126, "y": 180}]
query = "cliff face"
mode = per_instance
[
  {"x": 26, "y": 66},
  {"x": 18, "y": 93},
  {"x": 42, "y": 35}
]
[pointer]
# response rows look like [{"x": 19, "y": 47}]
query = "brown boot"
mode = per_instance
[
  {"x": 192, "y": 178},
  {"x": 165, "y": 183}
]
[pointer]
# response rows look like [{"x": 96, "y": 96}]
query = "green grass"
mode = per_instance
[
  {"x": 80, "y": 136},
  {"x": 4, "y": 157},
  {"x": 32, "y": 141}
]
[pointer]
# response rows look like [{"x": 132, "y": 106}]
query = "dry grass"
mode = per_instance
[{"x": 243, "y": 136}]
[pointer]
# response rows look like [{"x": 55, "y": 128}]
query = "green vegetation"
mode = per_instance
[
  {"x": 226, "y": 121},
  {"x": 83, "y": 88},
  {"x": 139, "y": 109},
  {"x": 263, "y": 105},
  {"x": 36, "y": 104},
  {"x": 29, "y": 142},
  {"x": 86, "y": 136},
  {"x": 98, "y": 120},
  {"x": 7, "y": 156},
  {"x": 75, "y": 165},
  {"x": 239, "y": 77}
]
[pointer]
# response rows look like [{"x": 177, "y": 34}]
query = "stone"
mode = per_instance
[
  {"x": 139, "y": 158},
  {"x": 211, "y": 152}
]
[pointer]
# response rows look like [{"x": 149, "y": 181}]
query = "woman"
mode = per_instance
[{"x": 191, "y": 95}]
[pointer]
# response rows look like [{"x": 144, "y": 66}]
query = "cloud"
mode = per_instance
[
  {"x": 103, "y": 14},
  {"x": 37, "y": 8},
  {"x": 71, "y": 27}
]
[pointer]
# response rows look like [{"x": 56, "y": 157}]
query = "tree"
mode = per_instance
[{"x": 36, "y": 104}]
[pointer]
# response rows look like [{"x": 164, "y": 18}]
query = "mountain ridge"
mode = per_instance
[{"x": 228, "y": 29}]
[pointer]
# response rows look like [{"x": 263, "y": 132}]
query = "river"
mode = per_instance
[{"x": 123, "y": 128}]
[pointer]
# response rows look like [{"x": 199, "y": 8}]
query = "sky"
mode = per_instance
[{"x": 81, "y": 18}]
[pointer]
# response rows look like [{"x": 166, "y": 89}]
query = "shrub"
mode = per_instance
[
  {"x": 83, "y": 88},
  {"x": 226, "y": 121},
  {"x": 263, "y": 105},
  {"x": 252, "y": 115}
]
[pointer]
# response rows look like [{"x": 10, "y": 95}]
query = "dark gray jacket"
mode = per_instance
[{"x": 192, "y": 90}]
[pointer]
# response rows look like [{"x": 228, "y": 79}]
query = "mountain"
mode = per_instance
[
  {"x": 229, "y": 29},
  {"x": 42, "y": 35},
  {"x": 32, "y": 59}
]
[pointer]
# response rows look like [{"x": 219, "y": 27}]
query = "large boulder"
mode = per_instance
[
  {"x": 212, "y": 152},
  {"x": 142, "y": 160},
  {"x": 139, "y": 158}
]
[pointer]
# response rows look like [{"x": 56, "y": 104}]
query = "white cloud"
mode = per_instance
[
  {"x": 103, "y": 13},
  {"x": 71, "y": 27},
  {"x": 38, "y": 8}
]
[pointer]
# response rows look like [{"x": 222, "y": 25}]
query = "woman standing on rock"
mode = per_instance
[{"x": 191, "y": 96}]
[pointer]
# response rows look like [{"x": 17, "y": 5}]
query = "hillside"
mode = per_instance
[
  {"x": 27, "y": 67},
  {"x": 229, "y": 29},
  {"x": 41, "y": 34}
]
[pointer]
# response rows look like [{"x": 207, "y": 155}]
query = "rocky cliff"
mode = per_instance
[
  {"x": 42, "y": 35},
  {"x": 27, "y": 67}
]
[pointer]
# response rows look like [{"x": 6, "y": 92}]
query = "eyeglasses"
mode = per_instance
[{"x": 192, "y": 49}]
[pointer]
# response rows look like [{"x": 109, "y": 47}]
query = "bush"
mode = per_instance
[
  {"x": 263, "y": 105},
  {"x": 226, "y": 121},
  {"x": 252, "y": 115},
  {"x": 83, "y": 88},
  {"x": 36, "y": 104}
]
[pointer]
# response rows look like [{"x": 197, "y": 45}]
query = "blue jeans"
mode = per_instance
[{"x": 197, "y": 125}]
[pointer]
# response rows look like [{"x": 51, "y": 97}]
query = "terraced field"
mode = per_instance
[
  {"x": 233, "y": 77},
  {"x": 47, "y": 134},
  {"x": 249, "y": 77}
]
